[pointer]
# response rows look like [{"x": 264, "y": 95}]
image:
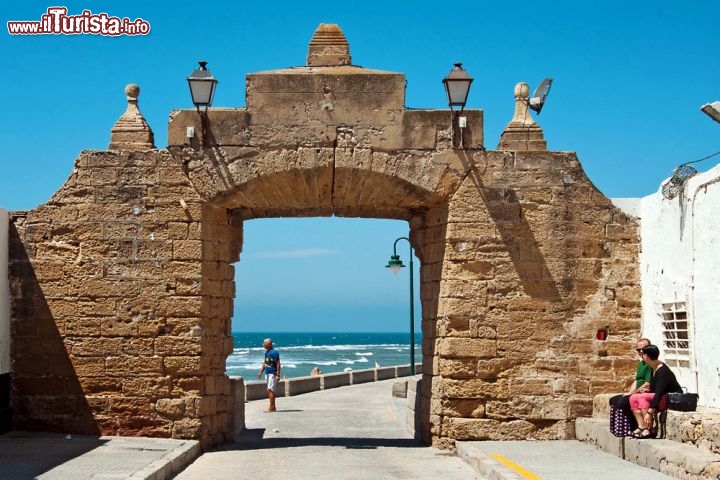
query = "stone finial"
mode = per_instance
[
  {"x": 522, "y": 133},
  {"x": 522, "y": 115},
  {"x": 328, "y": 47},
  {"x": 131, "y": 131}
]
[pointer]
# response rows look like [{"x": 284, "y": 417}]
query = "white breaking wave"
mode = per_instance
[
  {"x": 292, "y": 363},
  {"x": 245, "y": 360},
  {"x": 352, "y": 362},
  {"x": 329, "y": 348}
]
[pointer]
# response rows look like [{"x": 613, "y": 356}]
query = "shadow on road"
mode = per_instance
[{"x": 254, "y": 439}]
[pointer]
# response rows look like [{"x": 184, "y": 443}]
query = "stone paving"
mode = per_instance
[
  {"x": 46, "y": 456},
  {"x": 356, "y": 432},
  {"x": 353, "y": 432},
  {"x": 550, "y": 460}
]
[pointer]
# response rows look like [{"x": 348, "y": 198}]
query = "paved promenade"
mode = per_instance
[
  {"x": 355, "y": 432},
  {"x": 53, "y": 456}
]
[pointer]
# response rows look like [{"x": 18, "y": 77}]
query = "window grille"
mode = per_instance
[{"x": 676, "y": 333}]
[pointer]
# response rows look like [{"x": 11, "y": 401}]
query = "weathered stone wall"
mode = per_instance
[
  {"x": 535, "y": 263},
  {"x": 121, "y": 292},
  {"x": 123, "y": 285}
]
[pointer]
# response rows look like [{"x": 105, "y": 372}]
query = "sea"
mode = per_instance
[{"x": 330, "y": 352}]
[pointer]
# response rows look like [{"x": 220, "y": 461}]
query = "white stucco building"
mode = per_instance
[{"x": 680, "y": 276}]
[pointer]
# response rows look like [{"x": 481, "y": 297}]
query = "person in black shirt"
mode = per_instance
[{"x": 644, "y": 405}]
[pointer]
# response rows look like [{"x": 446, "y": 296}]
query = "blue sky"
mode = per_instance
[{"x": 629, "y": 80}]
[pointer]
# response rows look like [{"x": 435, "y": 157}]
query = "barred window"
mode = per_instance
[{"x": 676, "y": 333}]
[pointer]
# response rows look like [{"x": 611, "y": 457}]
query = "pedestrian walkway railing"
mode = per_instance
[{"x": 255, "y": 390}]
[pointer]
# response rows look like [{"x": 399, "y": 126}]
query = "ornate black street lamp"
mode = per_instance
[
  {"x": 202, "y": 86},
  {"x": 457, "y": 87}
]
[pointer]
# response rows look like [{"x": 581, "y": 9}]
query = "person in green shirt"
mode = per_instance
[
  {"x": 643, "y": 373},
  {"x": 641, "y": 384}
]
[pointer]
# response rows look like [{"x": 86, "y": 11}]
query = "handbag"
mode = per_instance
[
  {"x": 621, "y": 424},
  {"x": 682, "y": 401}
]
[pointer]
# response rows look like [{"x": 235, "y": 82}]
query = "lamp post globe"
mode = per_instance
[{"x": 395, "y": 264}]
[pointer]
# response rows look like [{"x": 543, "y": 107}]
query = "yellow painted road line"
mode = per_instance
[{"x": 515, "y": 467}]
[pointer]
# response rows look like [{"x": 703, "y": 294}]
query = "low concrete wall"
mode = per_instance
[
  {"x": 412, "y": 405},
  {"x": 258, "y": 390},
  {"x": 300, "y": 385},
  {"x": 596, "y": 431},
  {"x": 333, "y": 380},
  {"x": 385, "y": 373},
  {"x": 237, "y": 386},
  {"x": 362, "y": 376},
  {"x": 255, "y": 390}
]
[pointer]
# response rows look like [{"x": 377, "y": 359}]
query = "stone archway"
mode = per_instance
[{"x": 122, "y": 283}]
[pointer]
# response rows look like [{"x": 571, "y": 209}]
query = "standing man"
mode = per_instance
[{"x": 271, "y": 367}]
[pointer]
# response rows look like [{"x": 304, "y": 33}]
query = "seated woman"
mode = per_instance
[
  {"x": 644, "y": 405},
  {"x": 622, "y": 420}
]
